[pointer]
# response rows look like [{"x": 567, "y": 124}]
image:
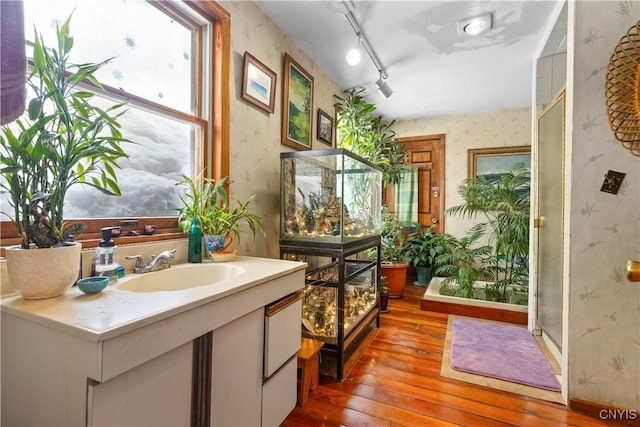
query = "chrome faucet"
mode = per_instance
[{"x": 164, "y": 258}]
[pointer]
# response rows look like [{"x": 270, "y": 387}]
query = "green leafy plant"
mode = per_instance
[
  {"x": 423, "y": 247},
  {"x": 368, "y": 136},
  {"x": 206, "y": 199},
  {"x": 63, "y": 139},
  {"x": 392, "y": 239},
  {"x": 383, "y": 289},
  {"x": 463, "y": 263},
  {"x": 505, "y": 203}
]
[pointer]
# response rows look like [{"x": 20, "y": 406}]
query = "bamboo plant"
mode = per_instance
[{"x": 62, "y": 140}]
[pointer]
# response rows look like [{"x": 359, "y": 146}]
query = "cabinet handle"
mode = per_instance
[{"x": 283, "y": 303}]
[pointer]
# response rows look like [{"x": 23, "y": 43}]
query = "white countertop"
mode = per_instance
[{"x": 113, "y": 311}]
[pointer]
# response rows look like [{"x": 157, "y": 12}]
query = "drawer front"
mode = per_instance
[
  {"x": 282, "y": 335},
  {"x": 279, "y": 394}
]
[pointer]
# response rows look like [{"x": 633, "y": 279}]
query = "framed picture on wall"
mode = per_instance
[
  {"x": 297, "y": 104},
  {"x": 492, "y": 162},
  {"x": 325, "y": 127},
  {"x": 258, "y": 84}
]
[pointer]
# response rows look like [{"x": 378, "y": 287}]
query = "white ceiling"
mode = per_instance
[{"x": 433, "y": 70}]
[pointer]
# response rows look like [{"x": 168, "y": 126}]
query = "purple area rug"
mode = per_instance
[{"x": 500, "y": 351}]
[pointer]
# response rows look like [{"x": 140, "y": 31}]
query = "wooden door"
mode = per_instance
[{"x": 426, "y": 152}]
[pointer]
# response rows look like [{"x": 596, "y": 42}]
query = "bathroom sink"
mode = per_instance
[{"x": 180, "y": 277}]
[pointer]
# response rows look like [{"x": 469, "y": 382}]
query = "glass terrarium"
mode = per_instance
[
  {"x": 327, "y": 304},
  {"x": 328, "y": 196}
]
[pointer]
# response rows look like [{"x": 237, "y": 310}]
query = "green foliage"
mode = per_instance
[
  {"x": 206, "y": 199},
  {"x": 463, "y": 262},
  {"x": 505, "y": 204},
  {"x": 62, "y": 140},
  {"x": 368, "y": 136},
  {"x": 423, "y": 247},
  {"x": 393, "y": 239},
  {"x": 383, "y": 289}
]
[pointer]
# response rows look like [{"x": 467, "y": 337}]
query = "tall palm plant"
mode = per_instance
[
  {"x": 463, "y": 262},
  {"x": 504, "y": 200}
]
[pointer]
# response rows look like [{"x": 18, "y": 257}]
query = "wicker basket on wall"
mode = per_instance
[{"x": 622, "y": 90}]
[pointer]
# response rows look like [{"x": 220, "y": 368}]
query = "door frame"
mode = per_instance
[{"x": 439, "y": 178}]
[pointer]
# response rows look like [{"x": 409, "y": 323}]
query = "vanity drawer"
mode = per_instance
[
  {"x": 282, "y": 332},
  {"x": 279, "y": 394}
]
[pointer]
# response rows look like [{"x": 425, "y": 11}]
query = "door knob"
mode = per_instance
[
  {"x": 434, "y": 220},
  {"x": 633, "y": 271}
]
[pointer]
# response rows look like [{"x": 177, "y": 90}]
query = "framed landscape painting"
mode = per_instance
[
  {"x": 492, "y": 162},
  {"x": 297, "y": 103},
  {"x": 258, "y": 84}
]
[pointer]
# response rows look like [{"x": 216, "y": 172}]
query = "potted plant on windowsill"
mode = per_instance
[
  {"x": 392, "y": 247},
  {"x": 206, "y": 200},
  {"x": 62, "y": 140},
  {"x": 422, "y": 249}
]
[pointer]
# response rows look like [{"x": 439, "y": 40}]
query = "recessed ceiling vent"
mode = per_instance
[{"x": 475, "y": 25}]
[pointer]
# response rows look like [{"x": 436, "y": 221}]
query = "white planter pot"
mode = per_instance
[
  {"x": 433, "y": 294},
  {"x": 43, "y": 273}
]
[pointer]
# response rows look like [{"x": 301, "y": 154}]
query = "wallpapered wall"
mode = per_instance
[
  {"x": 604, "y": 229},
  {"x": 503, "y": 128},
  {"x": 254, "y": 134}
]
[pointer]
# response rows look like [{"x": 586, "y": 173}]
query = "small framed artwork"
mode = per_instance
[
  {"x": 258, "y": 84},
  {"x": 297, "y": 104},
  {"x": 325, "y": 128},
  {"x": 492, "y": 162}
]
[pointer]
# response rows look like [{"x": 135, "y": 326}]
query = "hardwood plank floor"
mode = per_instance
[{"x": 396, "y": 382}]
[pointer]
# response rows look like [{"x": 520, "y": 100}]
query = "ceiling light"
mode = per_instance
[
  {"x": 362, "y": 39},
  {"x": 383, "y": 88},
  {"x": 353, "y": 56},
  {"x": 475, "y": 25}
]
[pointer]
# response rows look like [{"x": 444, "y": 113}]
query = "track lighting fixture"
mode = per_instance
[
  {"x": 381, "y": 84},
  {"x": 383, "y": 87}
]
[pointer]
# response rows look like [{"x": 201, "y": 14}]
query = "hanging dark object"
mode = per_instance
[
  {"x": 13, "y": 61},
  {"x": 622, "y": 90}
]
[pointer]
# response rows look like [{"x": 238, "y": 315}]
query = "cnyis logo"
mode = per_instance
[{"x": 618, "y": 414}]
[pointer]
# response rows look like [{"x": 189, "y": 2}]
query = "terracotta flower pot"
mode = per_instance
[{"x": 396, "y": 275}]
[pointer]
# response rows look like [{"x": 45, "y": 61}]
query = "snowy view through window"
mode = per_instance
[{"x": 152, "y": 58}]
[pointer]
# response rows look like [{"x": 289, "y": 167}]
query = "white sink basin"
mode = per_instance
[{"x": 180, "y": 277}]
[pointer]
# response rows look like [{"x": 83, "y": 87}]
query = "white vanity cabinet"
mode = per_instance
[
  {"x": 200, "y": 361},
  {"x": 236, "y": 377},
  {"x": 156, "y": 393}
]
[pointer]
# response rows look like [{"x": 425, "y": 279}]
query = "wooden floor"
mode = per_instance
[{"x": 397, "y": 382}]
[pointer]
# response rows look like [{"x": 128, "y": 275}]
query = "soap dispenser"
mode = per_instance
[{"x": 105, "y": 260}]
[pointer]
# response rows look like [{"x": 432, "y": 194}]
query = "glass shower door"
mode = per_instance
[{"x": 549, "y": 223}]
